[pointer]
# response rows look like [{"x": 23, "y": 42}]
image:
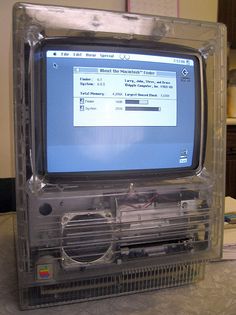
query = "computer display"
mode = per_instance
[{"x": 119, "y": 110}]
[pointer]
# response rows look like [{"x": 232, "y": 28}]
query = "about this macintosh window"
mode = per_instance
[{"x": 106, "y": 96}]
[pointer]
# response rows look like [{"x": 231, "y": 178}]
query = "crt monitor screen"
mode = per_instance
[{"x": 120, "y": 110}]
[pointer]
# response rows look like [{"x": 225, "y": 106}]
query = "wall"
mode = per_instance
[
  {"x": 232, "y": 59},
  {"x": 205, "y": 10},
  {"x": 192, "y": 9}
]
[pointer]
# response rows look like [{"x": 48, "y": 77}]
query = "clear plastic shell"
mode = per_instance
[{"x": 80, "y": 241}]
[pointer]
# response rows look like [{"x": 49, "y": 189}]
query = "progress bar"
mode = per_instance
[
  {"x": 142, "y": 102},
  {"x": 143, "y": 108}
]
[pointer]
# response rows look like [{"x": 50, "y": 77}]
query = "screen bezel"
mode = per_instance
[{"x": 151, "y": 48}]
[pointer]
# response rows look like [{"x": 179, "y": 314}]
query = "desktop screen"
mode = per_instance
[{"x": 110, "y": 109}]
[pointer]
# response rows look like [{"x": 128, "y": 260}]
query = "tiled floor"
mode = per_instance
[{"x": 213, "y": 296}]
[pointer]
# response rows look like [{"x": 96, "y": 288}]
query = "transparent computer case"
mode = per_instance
[{"x": 78, "y": 241}]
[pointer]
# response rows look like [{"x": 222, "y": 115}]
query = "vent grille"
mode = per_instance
[{"x": 128, "y": 281}]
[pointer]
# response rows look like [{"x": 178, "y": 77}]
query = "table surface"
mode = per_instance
[{"x": 215, "y": 295}]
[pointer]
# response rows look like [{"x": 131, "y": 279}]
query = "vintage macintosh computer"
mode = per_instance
[{"x": 119, "y": 133}]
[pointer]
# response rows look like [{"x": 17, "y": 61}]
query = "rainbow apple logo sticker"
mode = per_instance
[{"x": 44, "y": 272}]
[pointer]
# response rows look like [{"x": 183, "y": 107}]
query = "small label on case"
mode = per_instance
[{"x": 44, "y": 272}]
